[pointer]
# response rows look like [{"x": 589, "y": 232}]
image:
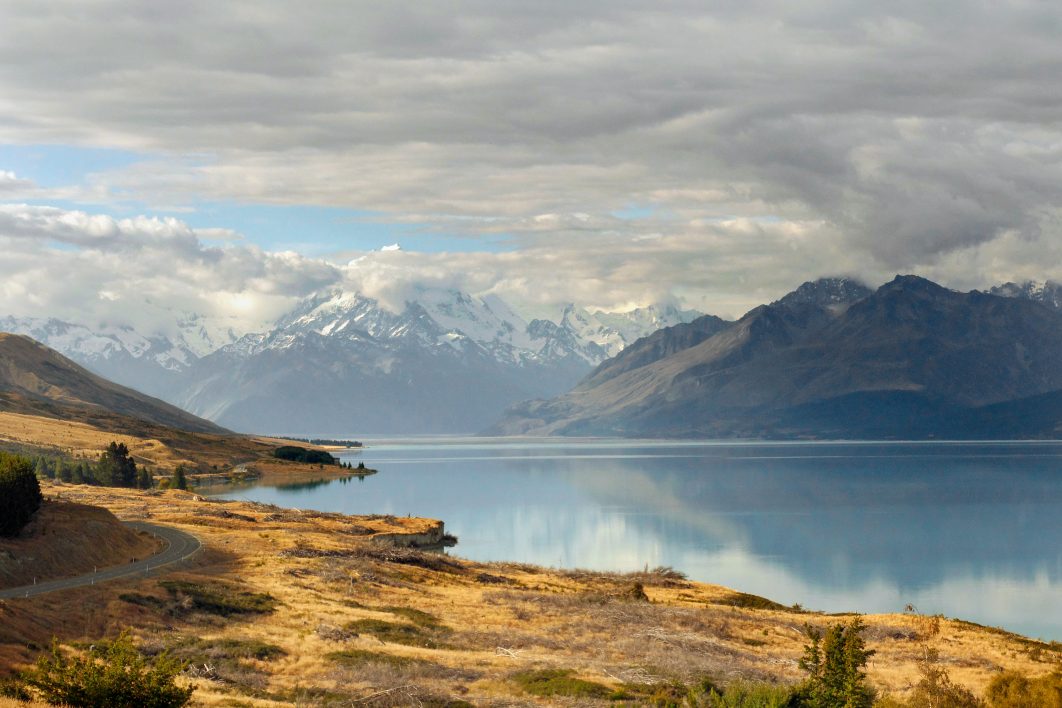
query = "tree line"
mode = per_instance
[
  {"x": 20, "y": 493},
  {"x": 114, "y": 468}
]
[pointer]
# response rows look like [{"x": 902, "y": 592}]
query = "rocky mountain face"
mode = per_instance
[
  {"x": 1046, "y": 292},
  {"x": 831, "y": 359},
  {"x": 340, "y": 363}
]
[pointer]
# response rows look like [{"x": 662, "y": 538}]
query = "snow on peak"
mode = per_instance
[
  {"x": 1047, "y": 292},
  {"x": 487, "y": 325}
]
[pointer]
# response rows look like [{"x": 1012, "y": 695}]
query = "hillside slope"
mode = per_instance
[
  {"x": 65, "y": 540},
  {"x": 37, "y": 380}
]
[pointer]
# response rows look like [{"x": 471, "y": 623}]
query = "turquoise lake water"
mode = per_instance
[{"x": 970, "y": 530}]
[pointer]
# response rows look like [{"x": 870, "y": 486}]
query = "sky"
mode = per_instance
[{"x": 229, "y": 158}]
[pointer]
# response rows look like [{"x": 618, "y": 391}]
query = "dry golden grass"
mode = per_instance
[
  {"x": 158, "y": 447},
  {"x": 66, "y": 539},
  {"x": 76, "y": 439},
  {"x": 357, "y": 619}
]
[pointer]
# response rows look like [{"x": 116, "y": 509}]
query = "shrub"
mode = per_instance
[
  {"x": 936, "y": 689},
  {"x": 1014, "y": 690},
  {"x": 20, "y": 493},
  {"x": 559, "y": 682},
  {"x": 424, "y": 635},
  {"x": 751, "y": 695},
  {"x": 115, "y": 675},
  {"x": 220, "y": 599},
  {"x": 834, "y": 663},
  {"x": 302, "y": 454}
]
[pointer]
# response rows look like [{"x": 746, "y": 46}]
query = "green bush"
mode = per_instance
[
  {"x": 219, "y": 599},
  {"x": 302, "y": 454},
  {"x": 1013, "y": 690},
  {"x": 115, "y": 675},
  {"x": 559, "y": 682},
  {"x": 835, "y": 665},
  {"x": 751, "y": 695},
  {"x": 418, "y": 635},
  {"x": 20, "y": 493}
]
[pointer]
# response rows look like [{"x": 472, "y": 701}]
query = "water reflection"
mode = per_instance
[{"x": 967, "y": 530}]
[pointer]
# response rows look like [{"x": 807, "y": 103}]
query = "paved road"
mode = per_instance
[{"x": 179, "y": 546}]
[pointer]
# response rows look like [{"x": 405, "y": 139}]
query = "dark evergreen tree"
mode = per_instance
[
  {"x": 20, "y": 493},
  {"x": 115, "y": 467},
  {"x": 144, "y": 479},
  {"x": 180, "y": 481},
  {"x": 835, "y": 664}
]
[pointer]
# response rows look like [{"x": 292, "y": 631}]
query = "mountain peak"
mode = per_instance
[
  {"x": 913, "y": 283},
  {"x": 826, "y": 292}
]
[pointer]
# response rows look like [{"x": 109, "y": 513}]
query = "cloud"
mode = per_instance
[
  {"x": 143, "y": 272},
  {"x": 767, "y": 142},
  {"x": 13, "y": 185}
]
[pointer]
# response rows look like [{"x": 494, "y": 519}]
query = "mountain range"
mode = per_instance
[
  {"x": 340, "y": 363},
  {"x": 833, "y": 359}
]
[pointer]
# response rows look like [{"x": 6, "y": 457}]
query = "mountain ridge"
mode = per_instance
[
  {"x": 911, "y": 340},
  {"x": 35, "y": 379}
]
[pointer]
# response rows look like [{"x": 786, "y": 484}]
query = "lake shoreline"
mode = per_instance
[
  {"x": 748, "y": 515},
  {"x": 332, "y": 594}
]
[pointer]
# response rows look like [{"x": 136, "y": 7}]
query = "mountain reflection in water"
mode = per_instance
[{"x": 970, "y": 530}]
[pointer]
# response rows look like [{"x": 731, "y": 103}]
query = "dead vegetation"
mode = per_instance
[
  {"x": 65, "y": 539},
  {"x": 285, "y": 606}
]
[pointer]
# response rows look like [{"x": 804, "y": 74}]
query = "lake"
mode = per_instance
[{"x": 970, "y": 530}]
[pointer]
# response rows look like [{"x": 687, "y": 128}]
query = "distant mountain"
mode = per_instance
[
  {"x": 449, "y": 362},
  {"x": 658, "y": 345},
  {"x": 37, "y": 380},
  {"x": 340, "y": 363},
  {"x": 831, "y": 359},
  {"x": 151, "y": 363},
  {"x": 1046, "y": 292}
]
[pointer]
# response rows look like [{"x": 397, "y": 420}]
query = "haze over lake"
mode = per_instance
[{"x": 969, "y": 530}]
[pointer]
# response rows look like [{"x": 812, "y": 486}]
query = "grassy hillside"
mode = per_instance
[
  {"x": 37, "y": 380},
  {"x": 51, "y": 405},
  {"x": 287, "y": 606},
  {"x": 66, "y": 539}
]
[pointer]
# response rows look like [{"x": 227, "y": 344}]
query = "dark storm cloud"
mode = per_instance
[{"x": 894, "y": 136}]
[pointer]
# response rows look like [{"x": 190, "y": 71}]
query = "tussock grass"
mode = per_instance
[
  {"x": 753, "y": 602},
  {"x": 559, "y": 682},
  {"x": 429, "y": 636},
  {"x": 220, "y": 599},
  {"x": 487, "y": 621},
  {"x": 198, "y": 650}
]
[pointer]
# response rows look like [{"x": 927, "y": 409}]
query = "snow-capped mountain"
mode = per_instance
[
  {"x": 101, "y": 343},
  {"x": 612, "y": 332},
  {"x": 461, "y": 321},
  {"x": 447, "y": 362},
  {"x": 1047, "y": 292},
  {"x": 151, "y": 364}
]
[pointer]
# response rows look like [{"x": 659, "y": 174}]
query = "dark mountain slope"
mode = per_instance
[
  {"x": 656, "y": 346},
  {"x": 904, "y": 361}
]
